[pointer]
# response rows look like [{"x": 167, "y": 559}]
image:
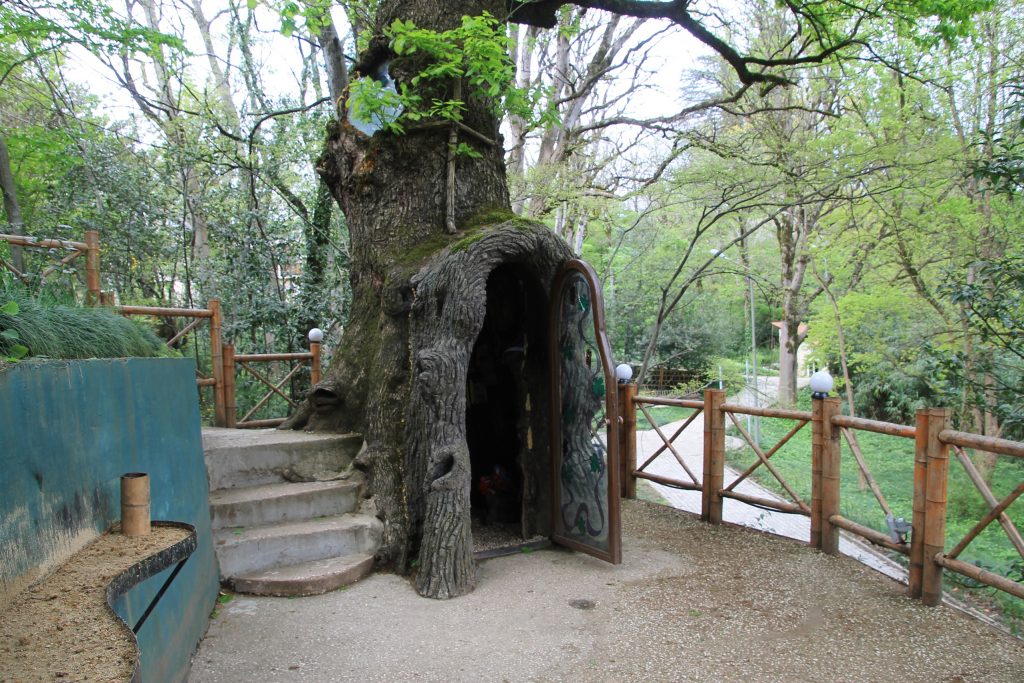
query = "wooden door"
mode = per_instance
[{"x": 584, "y": 418}]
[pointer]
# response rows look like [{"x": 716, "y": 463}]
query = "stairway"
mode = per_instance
[{"x": 275, "y": 534}]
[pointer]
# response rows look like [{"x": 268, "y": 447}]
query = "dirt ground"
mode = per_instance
[
  {"x": 62, "y": 630},
  {"x": 691, "y": 602}
]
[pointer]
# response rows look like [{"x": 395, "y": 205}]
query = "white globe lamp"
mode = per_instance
[
  {"x": 821, "y": 383},
  {"x": 316, "y": 335},
  {"x": 623, "y": 372}
]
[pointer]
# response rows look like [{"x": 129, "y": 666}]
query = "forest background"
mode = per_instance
[{"x": 874, "y": 198}]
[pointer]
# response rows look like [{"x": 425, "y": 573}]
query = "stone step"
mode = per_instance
[
  {"x": 244, "y": 550},
  {"x": 239, "y": 458},
  {"x": 306, "y": 578},
  {"x": 272, "y": 503}
]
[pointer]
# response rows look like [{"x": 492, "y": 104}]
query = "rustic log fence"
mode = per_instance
[
  {"x": 243, "y": 362},
  {"x": 90, "y": 248},
  {"x": 224, "y": 362},
  {"x": 933, "y": 438}
]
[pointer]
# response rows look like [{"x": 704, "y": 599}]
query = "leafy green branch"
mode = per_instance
[
  {"x": 475, "y": 54},
  {"x": 10, "y": 348}
]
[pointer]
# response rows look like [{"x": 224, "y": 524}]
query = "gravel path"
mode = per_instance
[{"x": 690, "y": 602}]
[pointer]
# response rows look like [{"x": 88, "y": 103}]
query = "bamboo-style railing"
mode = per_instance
[
  {"x": 221, "y": 380},
  {"x": 933, "y": 441},
  {"x": 199, "y": 316},
  {"x": 234, "y": 362},
  {"x": 90, "y": 248}
]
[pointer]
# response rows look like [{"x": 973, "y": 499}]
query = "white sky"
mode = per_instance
[{"x": 280, "y": 64}]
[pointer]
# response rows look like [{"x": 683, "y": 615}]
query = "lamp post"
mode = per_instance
[
  {"x": 315, "y": 336},
  {"x": 623, "y": 373},
  {"x": 821, "y": 383},
  {"x": 756, "y": 424}
]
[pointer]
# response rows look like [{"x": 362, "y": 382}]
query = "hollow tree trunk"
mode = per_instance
[
  {"x": 419, "y": 297},
  {"x": 447, "y": 315}
]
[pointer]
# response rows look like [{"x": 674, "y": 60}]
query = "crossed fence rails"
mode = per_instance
[
  {"x": 90, "y": 248},
  {"x": 933, "y": 438},
  {"x": 225, "y": 366},
  {"x": 223, "y": 361}
]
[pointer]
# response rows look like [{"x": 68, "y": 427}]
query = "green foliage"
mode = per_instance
[
  {"x": 70, "y": 332},
  {"x": 44, "y": 25},
  {"x": 991, "y": 300},
  {"x": 11, "y": 349},
  {"x": 887, "y": 333},
  {"x": 308, "y": 16},
  {"x": 926, "y": 21},
  {"x": 476, "y": 53},
  {"x": 998, "y": 320}
]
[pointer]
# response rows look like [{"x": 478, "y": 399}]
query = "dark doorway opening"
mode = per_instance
[{"x": 506, "y": 393}]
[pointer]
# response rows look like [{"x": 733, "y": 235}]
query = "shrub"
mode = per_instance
[{"x": 71, "y": 332}]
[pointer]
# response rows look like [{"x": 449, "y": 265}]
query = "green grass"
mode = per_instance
[
  {"x": 891, "y": 462},
  {"x": 645, "y": 491},
  {"x": 662, "y": 415},
  {"x": 68, "y": 332}
]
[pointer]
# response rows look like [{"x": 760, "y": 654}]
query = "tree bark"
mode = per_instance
[
  {"x": 419, "y": 300},
  {"x": 447, "y": 315},
  {"x": 11, "y": 206}
]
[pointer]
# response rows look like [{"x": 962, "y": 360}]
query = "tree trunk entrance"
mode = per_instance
[{"x": 505, "y": 382}]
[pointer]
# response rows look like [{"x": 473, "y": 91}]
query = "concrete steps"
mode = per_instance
[
  {"x": 244, "y": 550},
  {"x": 238, "y": 458},
  {"x": 306, "y": 578},
  {"x": 270, "y": 503},
  {"x": 277, "y": 536}
]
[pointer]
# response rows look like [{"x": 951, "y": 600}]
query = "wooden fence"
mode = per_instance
[
  {"x": 198, "y": 316},
  {"x": 933, "y": 441},
  {"x": 225, "y": 365},
  {"x": 236, "y": 362},
  {"x": 90, "y": 248},
  {"x": 224, "y": 362}
]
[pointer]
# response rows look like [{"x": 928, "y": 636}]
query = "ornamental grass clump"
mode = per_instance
[{"x": 69, "y": 332}]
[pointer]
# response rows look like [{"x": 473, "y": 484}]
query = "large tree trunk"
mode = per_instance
[
  {"x": 447, "y": 316},
  {"x": 11, "y": 208},
  {"x": 419, "y": 300}
]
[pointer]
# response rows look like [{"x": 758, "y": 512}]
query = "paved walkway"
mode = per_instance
[
  {"x": 690, "y": 445},
  {"x": 691, "y": 602}
]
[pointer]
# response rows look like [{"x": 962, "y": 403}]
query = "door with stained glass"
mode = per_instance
[{"x": 584, "y": 417}]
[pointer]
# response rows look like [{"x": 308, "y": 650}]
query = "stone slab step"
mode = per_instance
[
  {"x": 243, "y": 550},
  {"x": 238, "y": 458},
  {"x": 306, "y": 578},
  {"x": 272, "y": 503}
]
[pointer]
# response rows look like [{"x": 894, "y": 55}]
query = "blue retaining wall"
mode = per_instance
[{"x": 68, "y": 431}]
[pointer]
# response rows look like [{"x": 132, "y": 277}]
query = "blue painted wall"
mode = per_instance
[{"x": 68, "y": 431}]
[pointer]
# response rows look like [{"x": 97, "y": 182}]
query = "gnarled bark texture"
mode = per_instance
[
  {"x": 419, "y": 300},
  {"x": 451, "y": 296}
]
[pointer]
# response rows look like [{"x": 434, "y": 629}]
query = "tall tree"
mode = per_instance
[{"x": 424, "y": 211}]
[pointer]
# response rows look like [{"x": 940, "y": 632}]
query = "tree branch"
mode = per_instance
[{"x": 544, "y": 13}]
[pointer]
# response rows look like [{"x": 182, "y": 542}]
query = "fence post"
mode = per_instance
[
  {"x": 92, "y": 268},
  {"x": 936, "y": 476},
  {"x": 830, "y": 461},
  {"x": 817, "y": 447},
  {"x": 627, "y": 439},
  {"x": 314, "y": 363},
  {"x": 217, "y": 363},
  {"x": 230, "y": 409},
  {"x": 713, "y": 477},
  {"x": 916, "y": 574}
]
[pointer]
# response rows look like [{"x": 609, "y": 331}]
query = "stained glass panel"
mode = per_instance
[{"x": 586, "y": 513}]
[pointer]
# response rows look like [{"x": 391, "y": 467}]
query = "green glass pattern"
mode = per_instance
[{"x": 583, "y": 509}]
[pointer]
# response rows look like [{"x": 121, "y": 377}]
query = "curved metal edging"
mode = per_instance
[
  {"x": 567, "y": 269},
  {"x": 147, "y": 568}
]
